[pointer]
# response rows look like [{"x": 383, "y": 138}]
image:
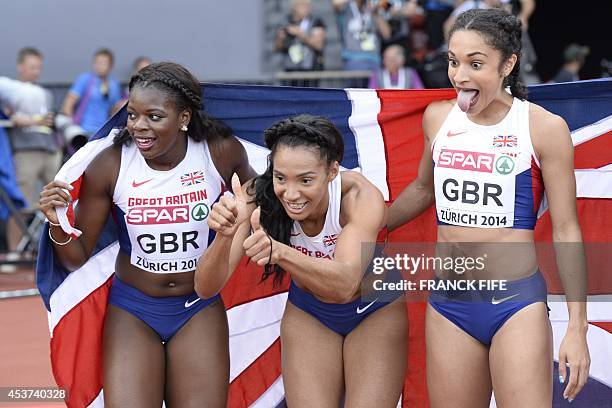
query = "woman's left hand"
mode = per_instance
[
  {"x": 574, "y": 352},
  {"x": 260, "y": 246}
]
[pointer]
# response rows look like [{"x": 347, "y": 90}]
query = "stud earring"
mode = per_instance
[{"x": 184, "y": 128}]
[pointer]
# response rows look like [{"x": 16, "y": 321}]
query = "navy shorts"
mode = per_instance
[
  {"x": 165, "y": 315},
  {"x": 482, "y": 313},
  {"x": 341, "y": 318}
]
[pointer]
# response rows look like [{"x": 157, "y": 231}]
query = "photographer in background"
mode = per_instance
[
  {"x": 573, "y": 57},
  {"x": 94, "y": 96},
  {"x": 36, "y": 152},
  {"x": 362, "y": 26},
  {"x": 398, "y": 14},
  {"x": 302, "y": 39}
]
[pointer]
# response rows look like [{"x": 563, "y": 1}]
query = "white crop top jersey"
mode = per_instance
[
  {"x": 487, "y": 176},
  {"x": 324, "y": 244},
  {"x": 162, "y": 215}
]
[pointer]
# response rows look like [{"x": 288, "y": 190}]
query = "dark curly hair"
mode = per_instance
[
  {"x": 184, "y": 90},
  {"x": 502, "y": 31},
  {"x": 302, "y": 130}
]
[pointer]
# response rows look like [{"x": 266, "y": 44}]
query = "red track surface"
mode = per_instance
[{"x": 24, "y": 349}]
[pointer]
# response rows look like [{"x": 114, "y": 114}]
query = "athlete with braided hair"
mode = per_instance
[
  {"x": 159, "y": 179},
  {"x": 310, "y": 223},
  {"x": 493, "y": 153}
]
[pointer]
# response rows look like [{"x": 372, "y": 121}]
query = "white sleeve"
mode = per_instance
[{"x": 8, "y": 88}]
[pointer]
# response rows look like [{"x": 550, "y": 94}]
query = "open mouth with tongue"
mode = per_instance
[{"x": 467, "y": 98}]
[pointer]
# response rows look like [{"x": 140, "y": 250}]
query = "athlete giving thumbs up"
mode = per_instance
[{"x": 311, "y": 221}]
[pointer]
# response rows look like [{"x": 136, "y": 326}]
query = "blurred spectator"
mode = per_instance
[
  {"x": 398, "y": 14},
  {"x": 428, "y": 47},
  {"x": 394, "y": 75},
  {"x": 11, "y": 198},
  {"x": 140, "y": 63},
  {"x": 36, "y": 152},
  {"x": 94, "y": 96},
  {"x": 436, "y": 13},
  {"x": 574, "y": 56},
  {"x": 302, "y": 39},
  {"x": 606, "y": 68},
  {"x": 29, "y": 107},
  {"x": 523, "y": 9},
  {"x": 434, "y": 70},
  {"x": 361, "y": 27}
]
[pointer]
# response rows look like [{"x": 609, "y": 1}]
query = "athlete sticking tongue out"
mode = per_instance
[{"x": 466, "y": 98}]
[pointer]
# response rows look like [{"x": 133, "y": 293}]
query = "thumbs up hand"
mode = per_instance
[
  {"x": 229, "y": 212},
  {"x": 260, "y": 247},
  {"x": 255, "y": 220}
]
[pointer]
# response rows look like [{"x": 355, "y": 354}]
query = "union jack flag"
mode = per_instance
[
  {"x": 381, "y": 129},
  {"x": 504, "y": 141},
  {"x": 189, "y": 179},
  {"x": 330, "y": 240}
]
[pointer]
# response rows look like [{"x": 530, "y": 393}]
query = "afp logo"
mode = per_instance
[{"x": 199, "y": 212}]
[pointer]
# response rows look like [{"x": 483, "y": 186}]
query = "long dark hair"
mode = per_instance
[
  {"x": 502, "y": 31},
  {"x": 301, "y": 130},
  {"x": 184, "y": 90}
]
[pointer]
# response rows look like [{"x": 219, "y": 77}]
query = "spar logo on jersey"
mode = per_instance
[
  {"x": 464, "y": 160},
  {"x": 505, "y": 141},
  {"x": 329, "y": 240},
  {"x": 199, "y": 212},
  {"x": 504, "y": 165},
  {"x": 193, "y": 178},
  {"x": 158, "y": 215}
]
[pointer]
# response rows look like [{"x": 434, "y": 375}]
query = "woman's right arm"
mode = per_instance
[
  {"x": 91, "y": 213},
  {"x": 229, "y": 218},
  {"x": 419, "y": 194},
  {"x": 76, "y": 91},
  {"x": 69, "y": 104}
]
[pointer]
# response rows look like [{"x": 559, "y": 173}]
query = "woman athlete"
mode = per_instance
[
  {"x": 311, "y": 223},
  {"x": 163, "y": 172},
  {"x": 493, "y": 153}
]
